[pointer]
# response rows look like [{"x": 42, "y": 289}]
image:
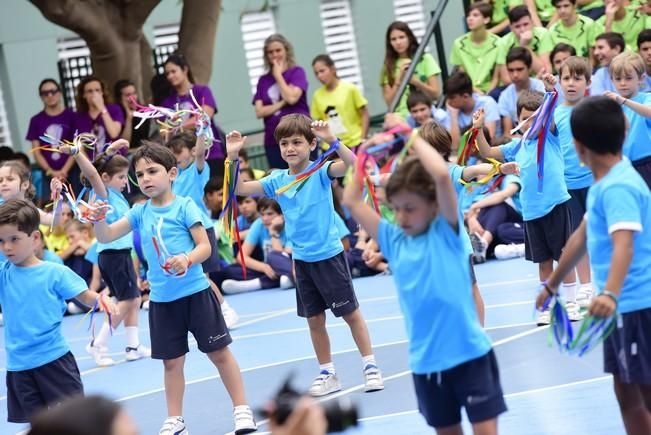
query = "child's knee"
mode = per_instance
[
  {"x": 317, "y": 322},
  {"x": 629, "y": 396},
  {"x": 220, "y": 357},
  {"x": 174, "y": 365},
  {"x": 353, "y": 317}
]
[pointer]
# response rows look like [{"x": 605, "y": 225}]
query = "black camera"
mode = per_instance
[{"x": 340, "y": 413}]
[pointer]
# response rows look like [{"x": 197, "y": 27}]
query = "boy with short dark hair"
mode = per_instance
[
  {"x": 644, "y": 50},
  {"x": 421, "y": 110},
  {"x": 574, "y": 29},
  {"x": 606, "y": 47},
  {"x": 616, "y": 233}
]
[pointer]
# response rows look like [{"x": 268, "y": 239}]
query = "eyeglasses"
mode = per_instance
[{"x": 48, "y": 92}]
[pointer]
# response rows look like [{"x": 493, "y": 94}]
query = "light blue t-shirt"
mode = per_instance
[
  {"x": 491, "y": 113},
  {"x": 621, "y": 201},
  {"x": 51, "y": 257},
  {"x": 309, "y": 214},
  {"x": 513, "y": 201},
  {"x": 243, "y": 223},
  {"x": 508, "y": 101},
  {"x": 537, "y": 204},
  {"x": 637, "y": 144},
  {"x": 92, "y": 255},
  {"x": 33, "y": 302},
  {"x": 341, "y": 226},
  {"x": 645, "y": 88},
  {"x": 601, "y": 82},
  {"x": 435, "y": 293},
  {"x": 259, "y": 236},
  {"x": 577, "y": 176},
  {"x": 120, "y": 208},
  {"x": 456, "y": 174},
  {"x": 177, "y": 219},
  {"x": 438, "y": 115},
  {"x": 190, "y": 182}
]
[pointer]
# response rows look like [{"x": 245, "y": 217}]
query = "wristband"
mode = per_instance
[
  {"x": 74, "y": 150},
  {"x": 612, "y": 296},
  {"x": 187, "y": 257},
  {"x": 548, "y": 289},
  {"x": 624, "y": 100},
  {"x": 105, "y": 111}
]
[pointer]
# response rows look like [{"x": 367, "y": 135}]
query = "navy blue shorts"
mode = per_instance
[
  {"x": 643, "y": 167},
  {"x": 212, "y": 263},
  {"x": 577, "y": 204},
  {"x": 627, "y": 351},
  {"x": 545, "y": 237},
  {"x": 29, "y": 391},
  {"x": 170, "y": 322},
  {"x": 324, "y": 284},
  {"x": 474, "y": 385},
  {"x": 116, "y": 267}
]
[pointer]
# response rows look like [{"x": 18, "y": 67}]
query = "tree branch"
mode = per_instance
[{"x": 197, "y": 35}]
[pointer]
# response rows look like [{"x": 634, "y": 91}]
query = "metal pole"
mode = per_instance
[{"x": 434, "y": 20}]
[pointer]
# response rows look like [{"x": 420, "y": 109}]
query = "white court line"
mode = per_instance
[{"x": 501, "y": 283}]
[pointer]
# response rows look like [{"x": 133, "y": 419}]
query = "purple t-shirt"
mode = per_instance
[
  {"x": 269, "y": 93},
  {"x": 60, "y": 127},
  {"x": 86, "y": 124},
  {"x": 204, "y": 96}
]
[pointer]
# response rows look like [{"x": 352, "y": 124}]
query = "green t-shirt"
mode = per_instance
[
  {"x": 340, "y": 107},
  {"x": 630, "y": 26},
  {"x": 224, "y": 248},
  {"x": 581, "y": 35},
  {"x": 426, "y": 68},
  {"x": 541, "y": 43},
  {"x": 545, "y": 10},
  {"x": 501, "y": 9},
  {"x": 478, "y": 60},
  {"x": 593, "y": 4}
]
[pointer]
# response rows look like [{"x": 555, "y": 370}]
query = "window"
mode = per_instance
[
  {"x": 412, "y": 13},
  {"x": 166, "y": 41},
  {"x": 74, "y": 64},
  {"x": 339, "y": 38},
  {"x": 5, "y": 135},
  {"x": 256, "y": 27}
]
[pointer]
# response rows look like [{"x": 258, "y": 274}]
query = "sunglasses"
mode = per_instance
[{"x": 48, "y": 92}]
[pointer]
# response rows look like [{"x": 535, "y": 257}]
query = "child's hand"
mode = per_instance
[
  {"x": 277, "y": 223},
  {"x": 178, "y": 263},
  {"x": 321, "y": 129},
  {"x": 525, "y": 38},
  {"x": 542, "y": 298},
  {"x": 550, "y": 82},
  {"x": 611, "y": 9},
  {"x": 97, "y": 210},
  {"x": 234, "y": 143},
  {"x": 602, "y": 306},
  {"x": 56, "y": 187},
  {"x": 107, "y": 305},
  {"x": 615, "y": 96},
  {"x": 117, "y": 146},
  {"x": 143, "y": 284},
  {"x": 510, "y": 168},
  {"x": 478, "y": 119}
]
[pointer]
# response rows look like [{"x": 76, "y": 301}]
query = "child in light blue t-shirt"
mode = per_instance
[
  {"x": 449, "y": 353},
  {"x": 616, "y": 233}
]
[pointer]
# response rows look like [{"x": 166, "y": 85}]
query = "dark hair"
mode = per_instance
[
  {"x": 82, "y": 104},
  {"x": 214, "y": 184},
  {"x": 417, "y": 97},
  {"x": 21, "y": 213},
  {"x": 243, "y": 154},
  {"x": 92, "y": 415},
  {"x": 185, "y": 139},
  {"x": 644, "y": 36},
  {"x": 325, "y": 59},
  {"x": 292, "y": 124},
  {"x": 599, "y": 124},
  {"x": 160, "y": 89},
  {"x": 390, "y": 55},
  {"x": 49, "y": 80},
  {"x": 518, "y": 13},
  {"x": 24, "y": 174},
  {"x": 561, "y": 47},
  {"x": 265, "y": 203},
  {"x": 577, "y": 66},
  {"x": 119, "y": 85},
  {"x": 555, "y": 2},
  {"x": 289, "y": 50},
  {"x": 438, "y": 137},
  {"x": 529, "y": 100},
  {"x": 519, "y": 53},
  {"x": 110, "y": 164},
  {"x": 248, "y": 171},
  {"x": 484, "y": 8},
  {"x": 613, "y": 39},
  {"x": 179, "y": 60},
  {"x": 22, "y": 158},
  {"x": 155, "y": 153},
  {"x": 6, "y": 153},
  {"x": 412, "y": 177},
  {"x": 458, "y": 83}
]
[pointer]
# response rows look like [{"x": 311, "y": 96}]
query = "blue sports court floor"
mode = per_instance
[{"x": 546, "y": 392}]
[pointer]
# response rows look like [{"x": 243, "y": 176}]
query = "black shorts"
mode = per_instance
[
  {"x": 473, "y": 277},
  {"x": 643, "y": 167},
  {"x": 170, "y": 322},
  {"x": 212, "y": 263},
  {"x": 545, "y": 237},
  {"x": 474, "y": 385},
  {"x": 116, "y": 267},
  {"x": 29, "y": 391},
  {"x": 577, "y": 205},
  {"x": 627, "y": 351},
  {"x": 324, "y": 284}
]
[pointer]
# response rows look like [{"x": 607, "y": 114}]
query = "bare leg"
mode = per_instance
[
  {"x": 583, "y": 270},
  {"x": 449, "y": 430},
  {"x": 637, "y": 418},
  {"x": 174, "y": 385},
  {"x": 479, "y": 303},
  {"x": 360, "y": 333},
  {"x": 229, "y": 371},
  {"x": 320, "y": 338},
  {"x": 486, "y": 427}
]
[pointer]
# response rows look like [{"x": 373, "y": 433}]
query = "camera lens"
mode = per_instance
[{"x": 340, "y": 414}]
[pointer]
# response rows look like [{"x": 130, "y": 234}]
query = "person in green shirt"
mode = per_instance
[
  {"x": 574, "y": 29},
  {"x": 499, "y": 22},
  {"x": 401, "y": 45},
  {"x": 476, "y": 52},
  {"x": 591, "y": 8},
  {"x": 542, "y": 12},
  {"x": 625, "y": 19},
  {"x": 523, "y": 34}
]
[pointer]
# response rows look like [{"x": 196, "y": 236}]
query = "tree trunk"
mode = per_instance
[{"x": 197, "y": 36}]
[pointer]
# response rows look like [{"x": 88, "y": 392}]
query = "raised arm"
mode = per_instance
[
  {"x": 362, "y": 212},
  {"x": 641, "y": 109},
  {"x": 485, "y": 149},
  {"x": 87, "y": 169},
  {"x": 234, "y": 143},
  {"x": 200, "y": 153},
  {"x": 321, "y": 129},
  {"x": 106, "y": 233}
]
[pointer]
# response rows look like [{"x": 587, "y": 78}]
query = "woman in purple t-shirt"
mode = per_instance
[
  {"x": 179, "y": 76},
  {"x": 57, "y": 122},
  {"x": 95, "y": 113},
  {"x": 281, "y": 91}
]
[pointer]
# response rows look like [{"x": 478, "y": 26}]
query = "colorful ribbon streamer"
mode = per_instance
[
  {"x": 228, "y": 215},
  {"x": 495, "y": 171},
  {"x": 302, "y": 178},
  {"x": 467, "y": 143},
  {"x": 161, "y": 251}
]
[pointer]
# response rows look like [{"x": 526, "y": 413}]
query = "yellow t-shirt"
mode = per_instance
[
  {"x": 56, "y": 243},
  {"x": 341, "y": 108}
]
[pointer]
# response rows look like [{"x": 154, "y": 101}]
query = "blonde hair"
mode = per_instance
[
  {"x": 626, "y": 62},
  {"x": 289, "y": 49}
]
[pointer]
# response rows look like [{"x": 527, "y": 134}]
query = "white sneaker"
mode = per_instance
[
  {"x": 136, "y": 353},
  {"x": 244, "y": 422},
  {"x": 173, "y": 426},
  {"x": 479, "y": 247},
  {"x": 230, "y": 316},
  {"x": 100, "y": 355},
  {"x": 543, "y": 317},
  {"x": 74, "y": 309},
  {"x": 504, "y": 252},
  {"x": 286, "y": 282},
  {"x": 573, "y": 312},
  {"x": 324, "y": 384},
  {"x": 584, "y": 296},
  {"x": 145, "y": 305},
  {"x": 372, "y": 378}
]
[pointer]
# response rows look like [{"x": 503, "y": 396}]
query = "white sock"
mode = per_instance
[
  {"x": 101, "y": 339},
  {"x": 232, "y": 286},
  {"x": 329, "y": 367},
  {"x": 132, "y": 336},
  {"x": 586, "y": 287},
  {"x": 569, "y": 290},
  {"x": 224, "y": 305},
  {"x": 369, "y": 359}
]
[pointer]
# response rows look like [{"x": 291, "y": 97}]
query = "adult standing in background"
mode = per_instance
[
  {"x": 281, "y": 91},
  {"x": 55, "y": 121},
  {"x": 124, "y": 93}
]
